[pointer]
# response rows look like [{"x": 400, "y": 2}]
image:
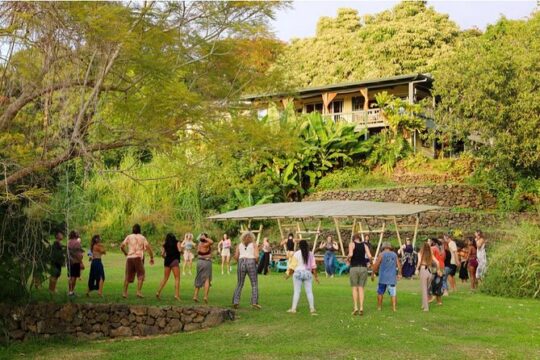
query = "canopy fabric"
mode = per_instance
[{"x": 324, "y": 209}]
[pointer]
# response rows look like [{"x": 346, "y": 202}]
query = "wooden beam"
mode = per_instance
[
  {"x": 353, "y": 229},
  {"x": 380, "y": 239},
  {"x": 361, "y": 231},
  {"x": 336, "y": 222},
  {"x": 317, "y": 236},
  {"x": 415, "y": 230},
  {"x": 282, "y": 235},
  {"x": 397, "y": 232},
  {"x": 365, "y": 94},
  {"x": 259, "y": 232},
  {"x": 327, "y": 99}
]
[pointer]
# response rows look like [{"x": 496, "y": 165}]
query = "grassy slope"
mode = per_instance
[{"x": 466, "y": 325}]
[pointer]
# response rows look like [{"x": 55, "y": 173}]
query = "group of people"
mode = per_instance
[{"x": 437, "y": 263}]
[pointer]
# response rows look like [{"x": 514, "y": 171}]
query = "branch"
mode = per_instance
[{"x": 66, "y": 156}]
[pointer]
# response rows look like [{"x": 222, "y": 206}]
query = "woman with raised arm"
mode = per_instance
[
  {"x": 224, "y": 248},
  {"x": 170, "y": 251},
  {"x": 329, "y": 256},
  {"x": 289, "y": 245},
  {"x": 426, "y": 262},
  {"x": 304, "y": 269},
  {"x": 96, "y": 278},
  {"x": 359, "y": 257},
  {"x": 247, "y": 256},
  {"x": 204, "y": 267},
  {"x": 187, "y": 246}
]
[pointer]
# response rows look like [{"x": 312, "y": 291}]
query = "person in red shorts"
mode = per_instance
[{"x": 136, "y": 245}]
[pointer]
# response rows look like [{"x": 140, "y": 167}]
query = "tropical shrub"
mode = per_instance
[
  {"x": 514, "y": 265},
  {"x": 351, "y": 178}
]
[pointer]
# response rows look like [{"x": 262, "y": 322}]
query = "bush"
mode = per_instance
[
  {"x": 352, "y": 177},
  {"x": 514, "y": 265}
]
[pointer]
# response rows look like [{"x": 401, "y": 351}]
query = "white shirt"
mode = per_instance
[{"x": 247, "y": 252}]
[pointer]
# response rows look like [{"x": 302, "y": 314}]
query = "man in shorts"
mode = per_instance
[
  {"x": 386, "y": 265},
  {"x": 454, "y": 260},
  {"x": 136, "y": 245}
]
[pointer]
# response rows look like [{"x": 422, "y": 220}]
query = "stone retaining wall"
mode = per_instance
[
  {"x": 442, "y": 195},
  {"x": 92, "y": 321}
]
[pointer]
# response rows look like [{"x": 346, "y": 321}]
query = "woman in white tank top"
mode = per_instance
[{"x": 247, "y": 255}]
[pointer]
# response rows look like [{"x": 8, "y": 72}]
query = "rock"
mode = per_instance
[
  {"x": 122, "y": 331},
  {"x": 17, "y": 334},
  {"x": 198, "y": 319},
  {"x": 138, "y": 310},
  {"x": 174, "y": 326},
  {"x": 155, "y": 312},
  {"x": 213, "y": 318},
  {"x": 124, "y": 322},
  {"x": 192, "y": 326},
  {"x": 150, "y": 321},
  {"x": 67, "y": 312}
]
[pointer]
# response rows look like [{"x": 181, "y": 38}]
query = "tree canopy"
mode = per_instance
[
  {"x": 490, "y": 87},
  {"x": 409, "y": 38}
]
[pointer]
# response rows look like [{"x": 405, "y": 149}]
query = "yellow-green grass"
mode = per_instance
[{"x": 468, "y": 325}]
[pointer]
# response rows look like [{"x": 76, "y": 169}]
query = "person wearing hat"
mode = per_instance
[{"x": 386, "y": 265}]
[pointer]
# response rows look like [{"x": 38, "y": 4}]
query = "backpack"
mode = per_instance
[{"x": 437, "y": 285}]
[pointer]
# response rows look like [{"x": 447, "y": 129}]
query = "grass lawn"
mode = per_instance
[{"x": 468, "y": 325}]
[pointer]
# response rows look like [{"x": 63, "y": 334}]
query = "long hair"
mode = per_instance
[
  {"x": 170, "y": 241},
  {"x": 425, "y": 253},
  {"x": 247, "y": 235},
  {"x": 95, "y": 239},
  {"x": 304, "y": 249}
]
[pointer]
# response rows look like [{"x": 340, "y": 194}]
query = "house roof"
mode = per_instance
[
  {"x": 369, "y": 83},
  {"x": 324, "y": 209}
]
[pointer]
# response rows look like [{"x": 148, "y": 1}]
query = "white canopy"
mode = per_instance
[{"x": 323, "y": 209}]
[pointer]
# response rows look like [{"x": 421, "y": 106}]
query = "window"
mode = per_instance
[
  {"x": 358, "y": 103},
  {"x": 337, "y": 106},
  {"x": 314, "y": 107}
]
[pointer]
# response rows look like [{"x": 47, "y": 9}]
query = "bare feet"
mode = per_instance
[
  {"x": 256, "y": 306},
  {"x": 140, "y": 296},
  {"x": 158, "y": 296},
  {"x": 355, "y": 312},
  {"x": 195, "y": 300},
  {"x": 205, "y": 300}
]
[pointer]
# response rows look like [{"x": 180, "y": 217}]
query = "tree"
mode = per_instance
[
  {"x": 409, "y": 38},
  {"x": 489, "y": 87},
  {"x": 81, "y": 78}
]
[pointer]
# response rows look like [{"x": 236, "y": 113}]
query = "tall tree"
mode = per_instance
[
  {"x": 79, "y": 78},
  {"x": 490, "y": 87},
  {"x": 409, "y": 38}
]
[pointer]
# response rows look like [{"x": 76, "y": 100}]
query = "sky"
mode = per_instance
[{"x": 301, "y": 20}]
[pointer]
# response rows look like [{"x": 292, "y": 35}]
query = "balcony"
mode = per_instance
[{"x": 364, "y": 119}]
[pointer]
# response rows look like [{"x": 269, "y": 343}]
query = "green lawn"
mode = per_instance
[{"x": 468, "y": 325}]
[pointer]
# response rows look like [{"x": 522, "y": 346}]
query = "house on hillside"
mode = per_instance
[{"x": 354, "y": 102}]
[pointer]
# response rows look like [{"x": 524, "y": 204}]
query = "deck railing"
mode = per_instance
[{"x": 362, "y": 118}]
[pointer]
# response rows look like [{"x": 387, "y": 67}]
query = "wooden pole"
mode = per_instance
[
  {"x": 415, "y": 230},
  {"x": 380, "y": 239},
  {"x": 361, "y": 230},
  {"x": 336, "y": 222},
  {"x": 282, "y": 235},
  {"x": 317, "y": 236},
  {"x": 397, "y": 232},
  {"x": 259, "y": 234},
  {"x": 353, "y": 229}
]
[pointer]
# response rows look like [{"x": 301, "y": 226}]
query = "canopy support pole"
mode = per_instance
[
  {"x": 416, "y": 230},
  {"x": 361, "y": 230},
  {"x": 336, "y": 222},
  {"x": 299, "y": 233},
  {"x": 380, "y": 239},
  {"x": 317, "y": 236},
  {"x": 353, "y": 230},
  {"x": 259, "y": 233},
  {"x": 282, "y": 235},
  {"x": 397, "y": 232}
]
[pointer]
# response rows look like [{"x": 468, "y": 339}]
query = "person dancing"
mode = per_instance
[
  {"x": 171, "y": 255},
  {"x": 247, "y": 256}
]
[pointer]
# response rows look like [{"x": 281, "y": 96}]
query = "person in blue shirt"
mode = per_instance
[{"x": 386, "y": 265}]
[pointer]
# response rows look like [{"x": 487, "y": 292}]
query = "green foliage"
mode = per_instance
[
  {"x": 409, "y": 38},
  {"x": 514, "y": 265},
  {"x": 352, "y": 178},
  {"x": 489, "y": 88},
  {"x": 402, "y": 116},
  {"x": 385, "y": 152}
]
